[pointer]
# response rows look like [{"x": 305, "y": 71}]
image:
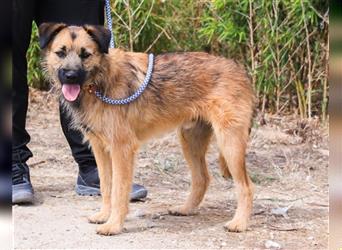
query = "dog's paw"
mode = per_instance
[
  {"x": 99, "y": 218},
  {"x": 108, "y": 229},
  {"x": 181, "y": 211},
  {"x": 236, "y": 225}
]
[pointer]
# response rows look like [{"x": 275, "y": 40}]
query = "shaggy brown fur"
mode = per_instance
[{"x": 197, "y": 93}]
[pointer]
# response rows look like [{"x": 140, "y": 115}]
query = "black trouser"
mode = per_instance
[{"x": 76, "y": 12}]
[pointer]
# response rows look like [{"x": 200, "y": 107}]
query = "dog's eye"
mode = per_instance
[
  {"x": 61, "y": 54},
  {"x": 84, "y": 54}
]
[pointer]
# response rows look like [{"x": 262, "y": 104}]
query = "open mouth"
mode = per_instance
[{"x": 71, "y": 91}]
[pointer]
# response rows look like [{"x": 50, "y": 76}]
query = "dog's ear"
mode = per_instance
[
  {"x": 100, "y": 35},
  {"x": 47, "y": 31}
]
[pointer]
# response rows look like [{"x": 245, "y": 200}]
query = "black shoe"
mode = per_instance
[
  {"x": 22, "y": 191},
  {"x": 89, "y": 184},
  {"x": 138, "y": 192}
]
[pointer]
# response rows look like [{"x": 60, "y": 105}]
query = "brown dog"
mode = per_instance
[{"x": 199, "y": 93}]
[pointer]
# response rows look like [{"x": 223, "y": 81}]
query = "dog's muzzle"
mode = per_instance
[{"x": 71, "y": 81}]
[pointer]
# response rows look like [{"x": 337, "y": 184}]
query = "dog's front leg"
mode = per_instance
[
  {"x": 104, "y": 166},
  {"x": 122, "y": 171}
]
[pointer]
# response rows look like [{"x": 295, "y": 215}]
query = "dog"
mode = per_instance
[{"x": 198, "y": 93}]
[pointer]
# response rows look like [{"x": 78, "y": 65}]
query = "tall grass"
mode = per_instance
[{"x": 283, "y": 43}]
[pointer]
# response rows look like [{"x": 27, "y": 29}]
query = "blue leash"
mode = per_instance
[
  {"x": 109, "y": 24},
  {"x": 142, "y": 87}
]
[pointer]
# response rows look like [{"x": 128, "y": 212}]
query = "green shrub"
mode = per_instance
[
  {"x": 283, "y": 43},
  {"x": 35, "y": 75}
]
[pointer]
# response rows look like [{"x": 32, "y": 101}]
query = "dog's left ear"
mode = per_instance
[
  {"x": 47, "y": 31},
  {"x": 100, "y": 35}
]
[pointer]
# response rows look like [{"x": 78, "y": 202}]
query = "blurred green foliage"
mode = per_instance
[
  {"x": 283, "y": 43},
  {"x": 35, "y": 75}
]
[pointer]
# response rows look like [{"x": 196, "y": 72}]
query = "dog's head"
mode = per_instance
[{"x": 72, "y": 54}]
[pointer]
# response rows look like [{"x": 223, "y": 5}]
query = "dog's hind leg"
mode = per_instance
[
  {"x": 232, "y": 140},
  {"x": 195, "y": 142},
  {"x": 104, "y": 166}
]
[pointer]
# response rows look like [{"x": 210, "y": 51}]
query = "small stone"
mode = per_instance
[
  {"x": 156, "y": 216},
  {"x": 281, "y": 211},
  {"x": 150, "y": 224},
  {"x": 272, "y": 244},
  {"x": 139, "y": 213}
]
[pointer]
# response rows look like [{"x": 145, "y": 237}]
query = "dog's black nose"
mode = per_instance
[{"x": 70, "y": 74}]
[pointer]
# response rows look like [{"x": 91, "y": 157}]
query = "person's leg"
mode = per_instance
[
  {"x": 87, "y": 181},
  {"x": 79, "y": 12},
  {"x": 23, "y": 13}
]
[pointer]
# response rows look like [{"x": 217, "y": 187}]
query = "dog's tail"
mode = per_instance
[{"x": 224, "y": 167}]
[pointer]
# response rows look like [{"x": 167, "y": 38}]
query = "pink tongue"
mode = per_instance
[{"x": 71, "y": 91}]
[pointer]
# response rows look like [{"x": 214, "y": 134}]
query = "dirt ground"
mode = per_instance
[{"x": 287, "y": 159}]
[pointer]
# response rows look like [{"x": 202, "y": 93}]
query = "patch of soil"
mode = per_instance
[{"x": 287, "y": 160}]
